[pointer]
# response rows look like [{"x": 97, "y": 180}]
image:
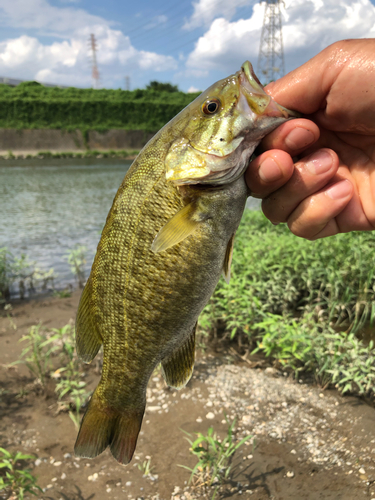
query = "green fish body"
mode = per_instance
[{"x": 167, "y": 239}]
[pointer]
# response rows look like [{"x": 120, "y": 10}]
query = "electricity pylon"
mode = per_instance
[
  {"x": 271, "y": 52},
  {"x": 95, "y": 71}
]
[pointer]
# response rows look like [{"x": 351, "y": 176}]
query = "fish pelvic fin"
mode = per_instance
[
  {"x": 228, "y": 259},
  {"x": 88, "y": 339},
  {"x": 182, "y": 225},
  {"x": 178, "y": 368},
  {"x": 104, "y": 426}
]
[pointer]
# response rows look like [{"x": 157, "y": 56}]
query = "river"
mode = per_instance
[{"x": 49, "y": 207}]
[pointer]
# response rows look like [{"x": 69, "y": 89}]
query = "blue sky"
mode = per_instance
[{"x": 188, "y": 43}]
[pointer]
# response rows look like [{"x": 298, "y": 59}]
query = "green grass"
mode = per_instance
[
  {"x": 214, "y": 457},
  {"x": 50, "y": 354},
  {"x": 15, "y": 480},
  {"x": 300, "y": 302}
]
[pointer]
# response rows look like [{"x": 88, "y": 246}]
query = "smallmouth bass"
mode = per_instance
[{"x": 168, "y": 237}]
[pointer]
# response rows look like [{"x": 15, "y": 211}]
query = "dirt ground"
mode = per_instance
[{"x": 307, "y": 443}]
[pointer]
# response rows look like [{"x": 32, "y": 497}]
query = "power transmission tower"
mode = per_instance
[
  {"x": 271, "y": 52},
  {"x": 95, "y": 71},
  {"x": 127, "y": 83}
]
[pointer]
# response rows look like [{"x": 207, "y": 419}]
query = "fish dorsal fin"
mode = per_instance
[
  {"x": 178, "y": 368},
  {"x": 88, "y": 339},
  {"x": 182, "y": 225},
  {"x": 228, "y": 259}
]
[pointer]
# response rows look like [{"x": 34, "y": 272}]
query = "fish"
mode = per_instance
[{"x": 167, "y": 239}]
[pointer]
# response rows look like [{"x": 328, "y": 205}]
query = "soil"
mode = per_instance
[{"x": 307, "y": 443}]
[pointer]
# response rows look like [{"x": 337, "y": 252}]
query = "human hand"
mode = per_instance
[{"x": 331, "y": 188}]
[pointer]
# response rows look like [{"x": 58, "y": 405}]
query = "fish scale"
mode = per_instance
[{"x": 167, "y": 239}]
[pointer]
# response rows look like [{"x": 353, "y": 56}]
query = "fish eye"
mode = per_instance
[{"x": 211, "y": 107}]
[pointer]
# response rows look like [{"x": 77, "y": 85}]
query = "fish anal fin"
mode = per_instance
[
  {"x": 88, "y": 339},
  {"x": 182, "y": 225},
  {"x": 178, "y": 368},
  {"x": 228, "y": 259},
  {"x": 103, "y": 426}
]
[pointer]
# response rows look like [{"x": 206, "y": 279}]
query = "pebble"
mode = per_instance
[
  {"x": 362, "y": 471},
  {"x": 63, "y": 475},
  {"x": 67, "y": 455},
  {"x": 128, "y": 483},
  {"x": 210, "y": 415},
  {"x": 57, "y": 464},
  {"x": 93, "y": 477},
  {"x": 199, "y": 420},
  {"x": 37, "y": 462},
  {"x": 152, "y": 409},
  {"x": 290, "y": 473}
]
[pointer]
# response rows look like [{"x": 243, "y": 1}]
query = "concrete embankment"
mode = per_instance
[{"x": 29, "y": 141}]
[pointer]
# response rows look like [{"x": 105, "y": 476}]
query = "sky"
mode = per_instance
[{"x": 188, "y": 43}]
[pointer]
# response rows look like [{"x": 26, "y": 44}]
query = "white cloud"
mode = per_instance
[
  {"x": 40, "y": 15},
  {"x": 308, "y": 27},
  {"x": 227, "y": 45},
  {"x": 192, "y": 90},
  {"x": 205, "y": 11},
  {"x": 67, "y": 61}
]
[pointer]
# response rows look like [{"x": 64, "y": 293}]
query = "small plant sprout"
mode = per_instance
[
  {"x": 15, "y": 480},
  {"x": 214, "y": 457},
  {"x": 77, "y": 260},
  {"x": 146, "y": 468}
]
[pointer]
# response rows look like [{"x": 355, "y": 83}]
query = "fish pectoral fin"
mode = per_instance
[
  {"x": 182, "y": 225},
  {"x": 88, "y": 339},
  {"x": 178, "y": 368},
  {"x": 228, "y": 259},
  {"x": 105, "y": 426}
]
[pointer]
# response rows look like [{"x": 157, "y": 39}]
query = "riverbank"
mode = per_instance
[
  {"x": 47, "y": 143},
  {"x": 122, "y": 154},
  {"x": 308, "y": 443}
]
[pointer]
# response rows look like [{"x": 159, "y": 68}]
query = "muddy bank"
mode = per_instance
[
  {"x": 34, "y": 140},
  {"x": 307, "y": 443}
]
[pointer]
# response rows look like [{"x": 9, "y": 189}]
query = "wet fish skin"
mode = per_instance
[{"x": 167, "y": 238}]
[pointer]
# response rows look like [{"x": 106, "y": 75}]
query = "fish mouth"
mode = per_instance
[{"x": 258, "y": 100}]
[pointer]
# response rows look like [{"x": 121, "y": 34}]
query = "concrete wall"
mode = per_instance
[{"x": 61, "y": 140}]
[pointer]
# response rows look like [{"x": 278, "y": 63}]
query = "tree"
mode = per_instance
[{"x": 162, "y": 87}]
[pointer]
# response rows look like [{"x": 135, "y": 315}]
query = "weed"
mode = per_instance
[
  {"x": 8, "y": 309},
  {"x": 62, "y": 294},
  {"x": 17, "y": 481},
  {"x": 290, "y": 297},
  {"x": 37, "y": 353},
  {"x": 69, "y": 384},
  {"x": 214, "y": 457},
  {"x": 146, "y": 468},
  {"x": 77, "y": 260},
  {"x": 338, "y": 358},
  {"x": 22, "y": 271}
]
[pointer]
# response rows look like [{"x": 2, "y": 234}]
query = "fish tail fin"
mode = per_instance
[{"x": 104, "y": 426}]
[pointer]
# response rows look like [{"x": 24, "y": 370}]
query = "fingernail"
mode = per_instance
[
  {"x": 299, "y": 138},
  {"x": 269, "y": 170},
  {"x": 339, "y": 190},
  {"x": 319, "y": 162}
]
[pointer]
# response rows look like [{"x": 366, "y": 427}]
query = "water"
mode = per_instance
[
  {"x": 50, "y": 207},
  {"x": 47, "y": 209}
]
